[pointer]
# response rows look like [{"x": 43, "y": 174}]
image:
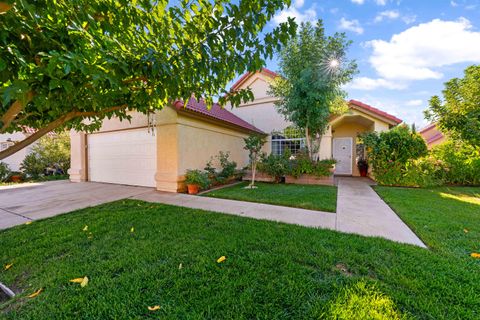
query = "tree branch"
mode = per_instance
[
  {"x": 13, "y": 111},
  {"x": 54, "y": 125}
]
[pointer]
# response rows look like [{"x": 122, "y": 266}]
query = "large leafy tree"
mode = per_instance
[
  {"x": 313, "y": 68},
  {"x": 459, "y": 111},
  {"x": 63, "y": 61}
]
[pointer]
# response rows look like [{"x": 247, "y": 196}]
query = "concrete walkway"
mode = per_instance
[
  {"x": 360, "y": 210},
  {"x": 32, "y": 201}
]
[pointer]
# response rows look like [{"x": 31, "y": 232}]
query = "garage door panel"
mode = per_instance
[{"x": 124, "y": 157}]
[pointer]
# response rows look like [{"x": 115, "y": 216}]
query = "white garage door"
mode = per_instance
[{"x": 124, "y": 157}]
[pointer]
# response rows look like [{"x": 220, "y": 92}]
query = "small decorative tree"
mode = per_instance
[{"x": 253, "y": 144}]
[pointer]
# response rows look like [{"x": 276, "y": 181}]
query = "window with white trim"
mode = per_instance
[{"x": 291, "y": 139}]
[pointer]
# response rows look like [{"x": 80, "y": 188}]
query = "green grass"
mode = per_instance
[
  {"x": 440, "y": 216},
  {"x": 272, "y": 270},
  {"x": 323, "y": 198}
]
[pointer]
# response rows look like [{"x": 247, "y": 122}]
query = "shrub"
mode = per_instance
[
  {"x": 4, "y": 172},
  {"x": 303, "y": 164},
  {"x": 275, "y": 166},
  {"x": 197, "y": 177},
  {"x": 228, "y": 169},
  {"x": 461, "y": 160},
  {"x": 389, "y": 152},
  {"x": 49, "y": 152}
]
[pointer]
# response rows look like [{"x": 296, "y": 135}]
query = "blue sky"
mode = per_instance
[{"x": 405, "y": 49}]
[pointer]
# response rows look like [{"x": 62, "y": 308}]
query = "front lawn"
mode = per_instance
[
  {"x": 271, "y": 271},
  {"x": 448, "y": 218},
  {"x": 323, "y": 198}
]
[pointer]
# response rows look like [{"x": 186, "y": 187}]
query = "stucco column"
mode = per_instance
[
  {"x": 78, "y": 156},
  {"x": 167, "y": 150},
  {"x": 325, "y": 151}
]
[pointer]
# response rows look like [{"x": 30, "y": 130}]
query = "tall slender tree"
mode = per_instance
[
  {"x": 313, "y": 69},
  {"x": 64, "y": 61}
]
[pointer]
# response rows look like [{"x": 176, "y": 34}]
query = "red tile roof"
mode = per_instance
[
  {"x": 216, "y": 112},
  {"x": 265, "y": 71},
  {"x": 361, "y": 105}
]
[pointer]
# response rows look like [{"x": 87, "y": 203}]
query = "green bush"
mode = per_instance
[
  {"x": 276, "y": 166},
  {"x": 389, "y": 152},
  {"x": 49, "y": 152},
  {"x": 197, "y": 177},
  {"x": 461, "y": 162},
  {"x": 303, "y": 164},
  {"x": 228, "y": 169},
  {"x": 4, "y": 172}
]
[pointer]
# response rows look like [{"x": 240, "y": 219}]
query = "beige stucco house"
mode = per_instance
[{"x": 156, "y": 150}]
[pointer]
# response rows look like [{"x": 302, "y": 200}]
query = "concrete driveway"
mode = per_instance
[{"x": 32, "y": 201}]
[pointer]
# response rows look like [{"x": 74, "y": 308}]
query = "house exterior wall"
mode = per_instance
[
  {"x": 432, "y": 136},
  {"x": 183, "y": 142},
  {"x": 14, "y": 161}
]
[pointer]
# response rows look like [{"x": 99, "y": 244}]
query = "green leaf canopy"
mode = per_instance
[{"x": 62, "y": 61}]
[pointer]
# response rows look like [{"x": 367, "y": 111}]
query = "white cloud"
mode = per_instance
[
  {"x": 453, "y": 4},
  {"x": 295, "y": 12},
  {"x": 388, "y": 14},
  {"x": 409, "y": 19},
  {"x": 381, "y": 2},
  {"x": 351, "y": 25},
  {"x": 365, "y": 83},
  {"x": 358, "y": 1},
  {"x": 418, "y": 52},
  {"x": 414, "y": 103}
]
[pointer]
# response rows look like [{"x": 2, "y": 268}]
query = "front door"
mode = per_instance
[{"x": 342, "y": 152}]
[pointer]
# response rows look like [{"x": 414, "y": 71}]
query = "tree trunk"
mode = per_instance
[
  {"x": 308, "y": 142},
  {"x": 13, "y": 111},
  {"x": 254, "y": 170}
]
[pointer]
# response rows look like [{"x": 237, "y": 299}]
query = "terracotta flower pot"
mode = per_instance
[
  {"x": 193, "y": 188},
  {"x": 16, "y": 178}
]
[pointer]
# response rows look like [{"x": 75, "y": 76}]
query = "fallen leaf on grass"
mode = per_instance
[
  {"x": 465, "y": 230},
  {"x": 132, "y": 229},
  {"x": 180, "y": 266},
  {"x": 475, "y": 255},
  {"x": 36, "y": 293},
  {"x": 154, "y": 308},
  {"x": 221, "y": 259},
  {"x": 8, "y": 266},
  {"x": 83, "y": 281},
  {"x": 85, "y": 228},
  {"x": 28, "y": 222}
]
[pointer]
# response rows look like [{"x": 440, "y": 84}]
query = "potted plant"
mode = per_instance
[
  {"x": 362, "y": 165},
  {"x": 16, "y": 176},
  {"x": 196, "y": 180}
]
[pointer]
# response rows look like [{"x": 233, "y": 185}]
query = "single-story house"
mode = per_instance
[
  {"x": 432, "y": 135},
  {"x": 157, "y": 150}
]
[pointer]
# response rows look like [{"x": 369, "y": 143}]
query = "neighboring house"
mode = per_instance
[
  {"x": 7, "y": 140},
  {"x": 156, "y": 151},
  {"x": 432, "y": 135}
]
